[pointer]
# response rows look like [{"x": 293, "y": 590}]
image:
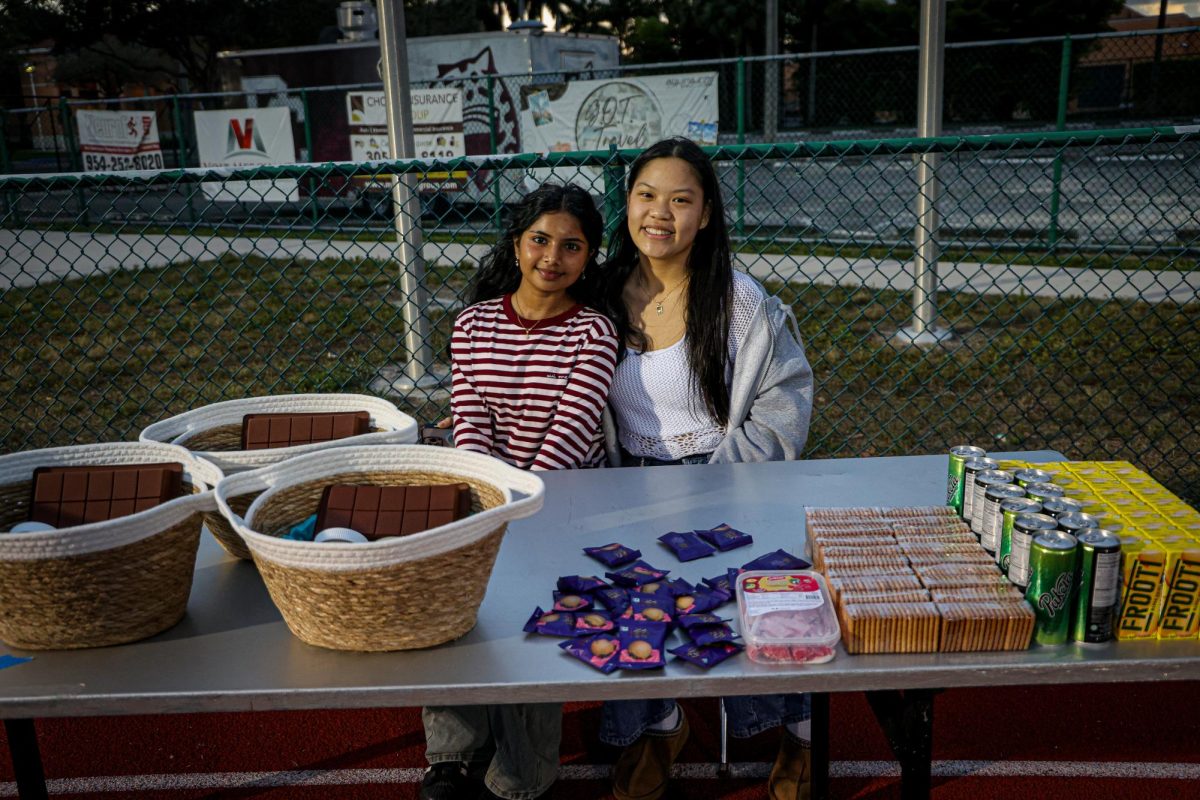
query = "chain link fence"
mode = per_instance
[
  {"x": 1067, "y": 273},
  {"x": 1084, "y": 82}
]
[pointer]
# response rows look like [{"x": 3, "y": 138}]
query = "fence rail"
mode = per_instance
[
  {"x": 1071, "y": 82},
  {"x": 1074, "y": 300}
]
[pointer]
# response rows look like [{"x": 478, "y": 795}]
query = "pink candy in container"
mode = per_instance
[{"x": 787, "y": 617}]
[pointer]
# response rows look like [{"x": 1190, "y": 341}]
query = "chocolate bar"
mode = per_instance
[
  {"x": 264, "y": 431},
  {"x": 66, "y": 496},
  {"x": 379, "y": 511}
]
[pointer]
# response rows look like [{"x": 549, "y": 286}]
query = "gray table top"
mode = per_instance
[{"x": 232, "y": 652}]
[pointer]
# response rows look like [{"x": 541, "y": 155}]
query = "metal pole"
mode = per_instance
[
  {"x": 312, "y": 184},
  {"x": 740, "y": 223},
  {"x": 771, "y": 75},
  {"x": 1064, "y": 77},
  {"x": 1158, "y": 48},
  {"x": 929, "y": 123},
  {"x": 493, "y": 139},
  {"x": 405, "y": 204}
]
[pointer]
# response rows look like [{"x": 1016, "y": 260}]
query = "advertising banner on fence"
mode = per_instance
[
  {"x": 626, "y": 112},
  {"x": 114, "y": 141},
  {"x": 247, "y": 137},
  {"x": 437, "y": 119}
]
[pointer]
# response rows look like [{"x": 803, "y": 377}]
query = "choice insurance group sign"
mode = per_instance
[
  {"x": 247, "y": 137},
  {"x": 437, "y": 126}
]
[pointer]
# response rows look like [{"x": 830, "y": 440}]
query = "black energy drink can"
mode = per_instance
[{"x": 1099, "y": 581}]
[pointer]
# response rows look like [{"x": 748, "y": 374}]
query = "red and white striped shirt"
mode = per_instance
[{"x": 532, "y": 396}]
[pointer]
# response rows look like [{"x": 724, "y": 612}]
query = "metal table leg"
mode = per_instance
[
  {"x": 26, "y": 760},
  {"x": 820, "y": 745},
  {"x": 906, "y": 718}
]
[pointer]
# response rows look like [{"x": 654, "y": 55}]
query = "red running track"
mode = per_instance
[{"x": 1009, "y": 732}]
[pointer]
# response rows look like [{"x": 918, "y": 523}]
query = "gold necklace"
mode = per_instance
[
  {"x": 529, "y": 330},
  {"x": 658, "y": 304}
]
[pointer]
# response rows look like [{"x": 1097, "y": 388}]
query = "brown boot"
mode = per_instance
[
  {"x": 643, "y": 769},
  {"x": 791, "y": 777}
]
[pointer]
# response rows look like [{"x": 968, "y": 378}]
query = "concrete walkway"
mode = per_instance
[{"x": 29, "y": 257}]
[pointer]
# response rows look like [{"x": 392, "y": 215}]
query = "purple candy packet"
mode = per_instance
[
  {"x": 650, "y": 607},
  {"x": 679, "y": 586},
  {"x": 636, "y": 574},
  {"x": 700, "y": 600},
  {"x": 613, "y": 555},
  {"x": 641, "y": 644},
  {"x": 686, "y": 545},
  {"x": 554, "y": 623},
  {"x": 780, "y": 559},
  {"x": 571, "y": 603},
  {"x": 725, "y": 538},
  {"x": 705, "y": 656},
  {"x": 613, "y": 598},
  {"x": 580, "y": 584},
  {"x": 653, "y": 587},
  {"x": 693, "y": 620},
  {"x": 721, "y": 584},
  {"x": 711, "y": 634},
  {"x": 598, "y": 651},
  {"x": 593, "y": 622}
]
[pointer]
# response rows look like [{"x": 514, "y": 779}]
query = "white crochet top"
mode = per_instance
[{"x": 659, "y": 410}]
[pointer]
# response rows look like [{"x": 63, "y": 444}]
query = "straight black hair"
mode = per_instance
[
  {"x": 710, "y": 278},
  {"x": 498, "y": 274}
]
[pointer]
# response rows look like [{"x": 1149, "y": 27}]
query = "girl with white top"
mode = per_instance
[{"x": 713, "y": 372}]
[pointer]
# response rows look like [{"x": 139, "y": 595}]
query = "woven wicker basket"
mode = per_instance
[
  {"x": 397, "y": 593},
  {"x": 214, "y": 433},
  {"x": 105, "y": 582}
]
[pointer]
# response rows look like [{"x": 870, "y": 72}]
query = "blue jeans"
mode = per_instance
[
  {"x": 623, "y": 721},
  {"x": 515, "y": 745}
]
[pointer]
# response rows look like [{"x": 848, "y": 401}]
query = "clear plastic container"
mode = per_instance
[{"x": 787, "y": 617}]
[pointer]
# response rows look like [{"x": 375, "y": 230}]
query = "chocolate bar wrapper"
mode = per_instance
[
  {"x": 550, "y": 624},
  {"x": 636, "y": 574},
  {"x": 579, "y": 584},
  {"x": 686, "y": 545},
  {"x": 725, "y": 538},
  {"x": 571, "y": 603},
  {"x": 641, "y": 644}
]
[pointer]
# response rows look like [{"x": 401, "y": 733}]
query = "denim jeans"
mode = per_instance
[
  {"x": 516, "y": 746},
  {"x": 623, "y": 721}
]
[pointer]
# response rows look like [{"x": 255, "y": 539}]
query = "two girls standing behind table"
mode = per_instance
[
  {"x": 714, "y": 373},
  {"x": 531, "y": 373}
]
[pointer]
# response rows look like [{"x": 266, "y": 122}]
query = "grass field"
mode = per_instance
[{"x": 100, "y": 358}]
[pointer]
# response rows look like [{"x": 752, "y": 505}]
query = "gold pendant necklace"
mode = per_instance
[
  {"x": 658, "y": 304},
  {"x": 516, "y": 308}
]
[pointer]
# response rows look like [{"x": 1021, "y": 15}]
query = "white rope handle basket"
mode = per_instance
[
  {"x": 189, "y": 429},
  {"x": 104, "y": 582},
  {"x": 395, "y": 593},
  {"x": 213, "y": 433}
]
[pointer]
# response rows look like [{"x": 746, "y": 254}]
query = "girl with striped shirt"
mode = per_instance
[{"x": 532, "y": 367}]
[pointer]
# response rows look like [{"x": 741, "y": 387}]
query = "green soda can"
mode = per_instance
[
  {"x": 993, "y": 517},
  {"x": 971, "y": 468},
  {"x": 1011, "y": 508},
  {"x": 1076, "y": 522},
  {"x": 1044, "y": 491},
  {"x": 1057, "y": 506},
  {"x": 1030, "y": 475},
  {"x": 1053, "y": 557},
  {"x": 954, "y": 475},
  {"x": 1025, "y": 528},
  {"x": 1099, "y": 581}
]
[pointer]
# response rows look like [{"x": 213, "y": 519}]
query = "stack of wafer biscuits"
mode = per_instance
[{"x": 914, "y": 580}]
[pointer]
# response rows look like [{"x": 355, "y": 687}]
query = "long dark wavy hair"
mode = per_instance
[
  {"x": 498, "y": 274},
  {"x": 710, "y": 278}
]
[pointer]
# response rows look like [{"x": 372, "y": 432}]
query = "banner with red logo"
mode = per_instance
[
  {"x": 114, "y": 141},
  {"x": 247, "y": 137}
]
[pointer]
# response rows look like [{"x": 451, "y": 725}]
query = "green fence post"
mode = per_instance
[
  {"x": 1064, "y": 77},
  {"x": 740, "y": 221},
  {"x": 5, "y": 163},
  {"x": 308, "y": 146},
  {"x": 614, "y": 192},
  {"x": 496, "y": 207},
  {"x": 73, "y": 154},
  {"x": 181, "y": 155}
]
